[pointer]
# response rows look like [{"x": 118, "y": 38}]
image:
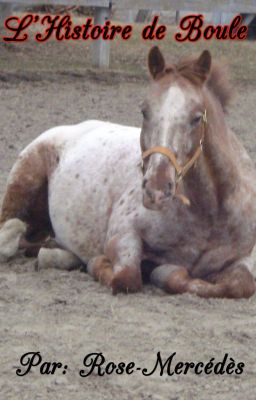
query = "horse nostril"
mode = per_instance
[
  {"x": 144, "y": 183},
  {"x": 168, "y": 190}
]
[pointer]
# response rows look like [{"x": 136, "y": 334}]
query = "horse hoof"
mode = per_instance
[
  {"x": 57, "y": 258},
  {"x": 128, "y": 280},
  {"x": 10, "y": 235}
]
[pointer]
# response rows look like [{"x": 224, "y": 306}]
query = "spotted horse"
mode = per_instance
[{"x": 188, "y": 209}]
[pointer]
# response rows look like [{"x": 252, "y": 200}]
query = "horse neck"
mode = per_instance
[{"x": 215, "y": 174}]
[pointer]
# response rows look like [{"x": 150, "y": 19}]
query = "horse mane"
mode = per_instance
[{"x": 217, "y": 82}]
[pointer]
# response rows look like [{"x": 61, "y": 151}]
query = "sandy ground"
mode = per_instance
[{"x": 66, "y": 315}]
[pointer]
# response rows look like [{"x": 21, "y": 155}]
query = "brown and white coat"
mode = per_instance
[{"x": 84, "y": 184}]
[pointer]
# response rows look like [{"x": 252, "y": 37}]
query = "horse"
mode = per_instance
[{"x": 178, "y": 194}]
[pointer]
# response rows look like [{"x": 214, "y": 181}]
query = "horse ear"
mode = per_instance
[
  {"x": 156, "y": 62},
  {"x": 202, "y": 65}
]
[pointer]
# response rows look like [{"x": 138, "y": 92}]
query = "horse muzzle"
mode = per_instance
[{"x": 157, "y": 199}]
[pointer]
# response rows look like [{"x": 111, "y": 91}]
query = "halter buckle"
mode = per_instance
[{"x": 179, "y": 176}]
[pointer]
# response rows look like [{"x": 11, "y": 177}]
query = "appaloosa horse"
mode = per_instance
[{"x": 191, "y": 210}]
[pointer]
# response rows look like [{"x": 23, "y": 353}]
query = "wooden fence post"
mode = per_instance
[
  {"x": 100, "y": 47},
  {"x": 5, "y": 11}
]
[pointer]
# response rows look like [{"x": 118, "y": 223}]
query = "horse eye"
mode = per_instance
[{"x": 196, "y": 120}]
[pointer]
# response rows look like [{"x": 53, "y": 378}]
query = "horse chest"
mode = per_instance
[{"x": 179, "y": 237}]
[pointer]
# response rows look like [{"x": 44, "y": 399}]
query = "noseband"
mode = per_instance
[{"x": 180, "y": 170}]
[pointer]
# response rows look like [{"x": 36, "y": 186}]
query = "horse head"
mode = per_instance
[{"x": 174, "y": 123}]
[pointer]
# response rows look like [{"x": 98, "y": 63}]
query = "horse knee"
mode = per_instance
[
  {"x": 11, "y": 232},
  {"x": 241, "y": 283},
  {"x": 57, "y": 258},
  {"x": 235, "y": 282},
  {"x": 171, "y": 278}
]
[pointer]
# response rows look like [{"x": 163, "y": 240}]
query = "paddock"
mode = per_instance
[{"x": 66, "y": 315}]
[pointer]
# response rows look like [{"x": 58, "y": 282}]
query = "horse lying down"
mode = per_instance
[{"x": 190, "y": 209}]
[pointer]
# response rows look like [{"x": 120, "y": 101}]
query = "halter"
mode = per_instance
[{"x": 180, "y": 170}]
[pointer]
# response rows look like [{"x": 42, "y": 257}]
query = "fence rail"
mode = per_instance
[
  {"x": 94, "y": 3},
  {"x": 245, "y": 6}
]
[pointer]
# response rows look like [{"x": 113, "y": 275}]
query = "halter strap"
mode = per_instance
[
  {"x": 180, "y": 170},
  {"x": 166, "y": 152}
]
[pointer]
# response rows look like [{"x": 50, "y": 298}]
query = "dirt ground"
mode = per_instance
[{"x": 65, "y": 315}]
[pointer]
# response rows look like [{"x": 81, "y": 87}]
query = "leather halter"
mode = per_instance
[{"x": 180, "y": 170}]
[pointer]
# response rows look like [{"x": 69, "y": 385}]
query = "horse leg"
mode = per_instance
[
  {"x": 125, "y": 253},
  {"x": 234, "y": 282},
  {"x": 57, "y": 258},
  {"x": 10, "y": 235},
  {"x": 100, "y": 268},
  {"x": 25, "y": 180},
  {"x": 31, "y": 249},
  {"x": 25, "y": 201}
]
